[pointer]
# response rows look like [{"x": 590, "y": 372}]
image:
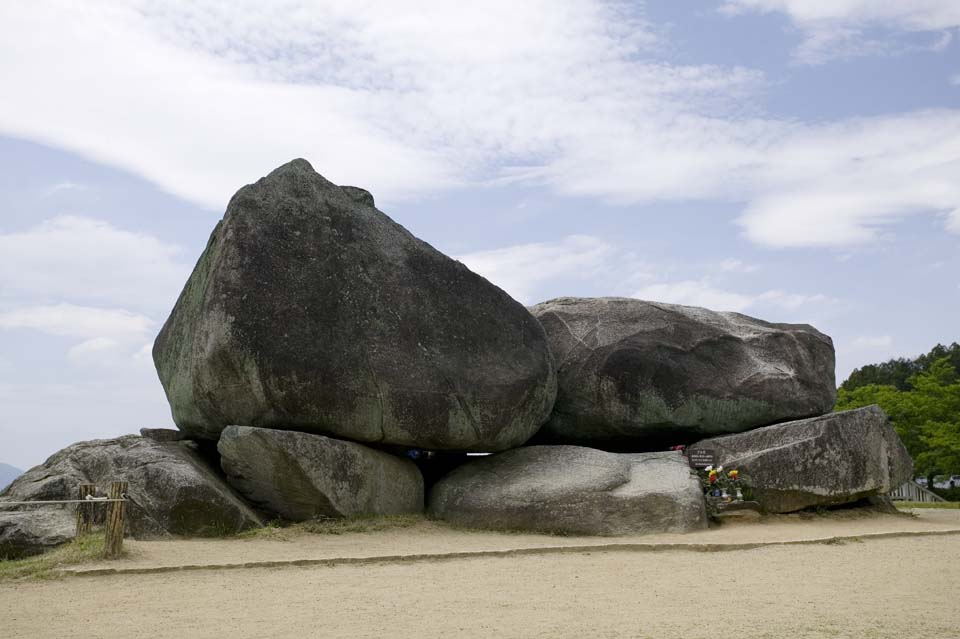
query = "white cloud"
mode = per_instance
[
  {"x": 525, "y": 270},
  {"x": 838, "y": 28},
  {"x": 69, "y": 320},
  {"x": 953, "y": 221},
  {"x": 695, "y": 293},
  {"x": 839, "y": 184},
  {"x": 704, "y": 293},
  {"x": 868, "y": 342},
  {"x": 955, "y": 80},
  {"x": 61, "y": 187},
  {"x": 84, "y": 260},
  {"x": 412, "y": 98},
  {"x": 95, "y": 346},
  {"x": 732, "y": 265}
]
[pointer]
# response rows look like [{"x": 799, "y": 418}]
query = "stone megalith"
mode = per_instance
[
  {"x": 643, "y": 375},
  {"x": 824, "y": 461},
  {"x": 573, "y": 490},
  {"x": 300, "y": 476},
  {"x": 311, "y": 310},
  {"x": 172, "y": 490}
]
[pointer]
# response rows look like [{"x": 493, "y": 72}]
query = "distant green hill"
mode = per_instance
[{"x": 7, "y": 474}]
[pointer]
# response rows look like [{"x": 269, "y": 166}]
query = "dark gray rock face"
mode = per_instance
[
  {"x": 824, "y": 461},
  {"x": 162, "y": 434},
  {"x": 635, "y": 374},
  {"x": 302, "y": 476},
  {"x": 172, "y": 490},
  {"x": 30, "y": 532},
  {"x": 311, "y": 310},
  {"x": 574, "y": 490}
]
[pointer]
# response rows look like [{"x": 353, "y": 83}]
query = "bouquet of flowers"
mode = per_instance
[{"x": 721, "y": 486}]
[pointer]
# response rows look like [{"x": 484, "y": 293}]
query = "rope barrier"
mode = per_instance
[{"x": 99, "y": 500}]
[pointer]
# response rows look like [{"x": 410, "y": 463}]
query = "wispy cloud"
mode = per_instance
[
  {"x": 844, "y": 28},
  {"x": 84, "y": 260},
  {"x": 575, "y": 95},
  {"x": 535, "y": 272},
  {"x": 70, "y": 320},
  {"x": 871, "y": 342},
  {"x": 731, "y": 265},
  {"x": 527, "y": 271},
  {"x": 704, "y": 293}
]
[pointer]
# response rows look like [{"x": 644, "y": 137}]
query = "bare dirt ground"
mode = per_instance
[{"x": 872, "y": 587}]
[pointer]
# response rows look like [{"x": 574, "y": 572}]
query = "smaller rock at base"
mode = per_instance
[
  {"x": 573, "y": 490},
  {"x": 824, "y": 461},
  {"x": 172, "y": 488},
  {"x": 30, "y": 532},
  {"x": 301, "y": 476}
]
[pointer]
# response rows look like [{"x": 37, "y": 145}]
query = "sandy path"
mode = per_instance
[
  {"x": 435, "y": 539},
  {"x": 900, "y": 587}
]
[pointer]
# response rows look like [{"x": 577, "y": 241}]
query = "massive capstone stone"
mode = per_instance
[
  {"x": 301, "y": 476},
  {"x": 824, "y": 461},
  {"x": 637, "y": 375},
  {"x": 311, "y": 310},
  {"x": 573, "y": 490},
  {"x": 172, "y": 490}
]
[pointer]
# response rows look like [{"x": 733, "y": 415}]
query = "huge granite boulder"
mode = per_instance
[
  {"x": 311, "y": 310},
  {"x": 32, "y": 530},
  {"x": 171, "y": 487},
  {"x": 301, "y": 476},
  {"x": 637, "y": 375},
  {"x": 824, "y": 461},
  {"x": 573, "y": 490}
]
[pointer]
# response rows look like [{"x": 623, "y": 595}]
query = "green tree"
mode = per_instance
[
  {"x": 898, "y": 372},
  {"x": 926, "y": 415}
]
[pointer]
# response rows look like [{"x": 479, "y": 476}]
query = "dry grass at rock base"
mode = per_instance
[
  {"x": 906, "y": 505},
  {"x": 46, "y": 566}
]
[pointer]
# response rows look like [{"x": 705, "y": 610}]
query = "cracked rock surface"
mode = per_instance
[
  {"x": 573, "y": 490},
  {"x": 645, "y": 375}
]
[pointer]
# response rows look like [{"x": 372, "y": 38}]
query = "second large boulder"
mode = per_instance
[
  {"x": 312, "y": 310},
  {"x": 573, "y": 490},
  {"x": 301, "y": 476},
  {"x": 645, "y": 375}
]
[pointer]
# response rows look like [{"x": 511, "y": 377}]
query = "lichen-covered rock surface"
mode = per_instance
[
  {"x": 172, "y": 488},
  {"x": 312, "y": 310},
  {"x": 573, "y": 490},
  {"x": 301, "y": 476},
  {"x": 636, "y": 375},
  {"x": 824, "y": 461}
]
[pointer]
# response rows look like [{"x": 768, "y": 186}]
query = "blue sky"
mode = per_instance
[{"x": 795, "y": 160}]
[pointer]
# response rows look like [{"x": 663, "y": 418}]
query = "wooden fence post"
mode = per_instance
[
  {"x": 85, "y": 510},
  {"x": 115, "y": 520}
]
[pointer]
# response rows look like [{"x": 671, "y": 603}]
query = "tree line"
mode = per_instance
[{"x": 922, "y": 398}]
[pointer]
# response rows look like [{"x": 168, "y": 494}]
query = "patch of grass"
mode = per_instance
[
  {"x": 78, "y": 551},
  {"x": 928, "y": 504},
  {"x": 280, "y": 530}
]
